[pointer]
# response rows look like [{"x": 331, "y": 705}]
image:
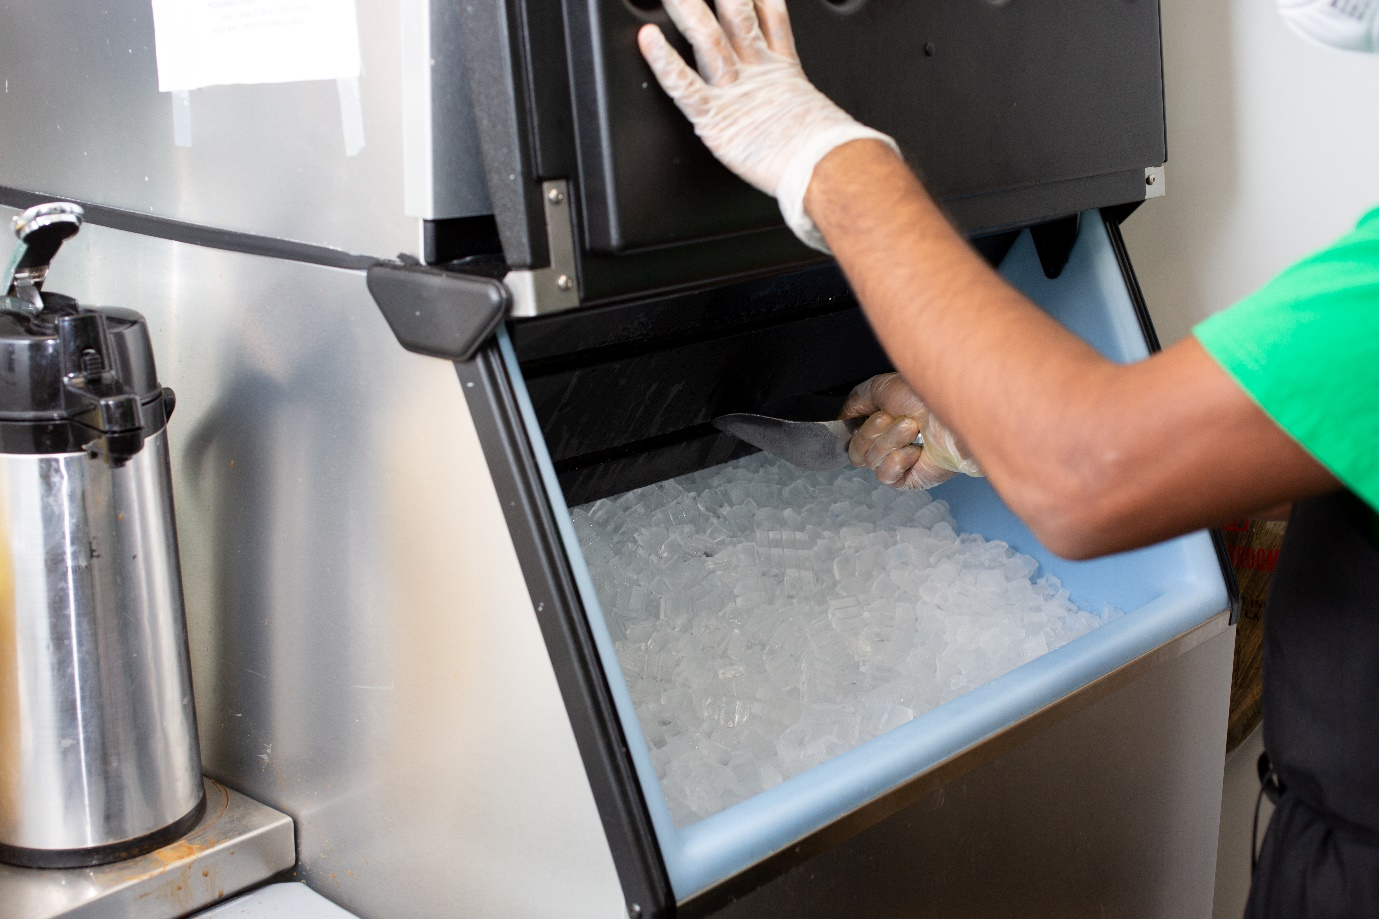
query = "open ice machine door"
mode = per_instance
[
  {"x": 751, "y": 705},
  {"x": 1014, "y": 113}
]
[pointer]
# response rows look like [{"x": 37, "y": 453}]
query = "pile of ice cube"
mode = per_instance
[{"x": 768, "y": 619}]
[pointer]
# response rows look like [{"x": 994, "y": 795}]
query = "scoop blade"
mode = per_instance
[{"x": 817, "y": 446}]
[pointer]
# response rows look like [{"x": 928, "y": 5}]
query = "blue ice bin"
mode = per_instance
[{"x": 1168, "y": 591}]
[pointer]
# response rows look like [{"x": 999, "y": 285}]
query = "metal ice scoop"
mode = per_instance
[{"x": 814, "y": 445}]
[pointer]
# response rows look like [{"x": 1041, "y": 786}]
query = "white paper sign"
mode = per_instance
[{"x": 215, "y": 42}]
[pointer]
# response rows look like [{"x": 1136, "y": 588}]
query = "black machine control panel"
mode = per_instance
[
  {"x": 1014, "y": 112},
  {"x": 984, "y": 98}
]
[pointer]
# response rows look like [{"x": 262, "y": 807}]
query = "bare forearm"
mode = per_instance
[
  {"x": 913, "y": 272},
  {"x": 996, "y": 368},
  {"x": 1095, "y": 456}
]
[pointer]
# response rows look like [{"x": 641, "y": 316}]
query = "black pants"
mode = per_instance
[{"x": 1314, "y": 868}]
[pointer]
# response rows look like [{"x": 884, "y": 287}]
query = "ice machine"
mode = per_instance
[{"x": 435, "y": 323}]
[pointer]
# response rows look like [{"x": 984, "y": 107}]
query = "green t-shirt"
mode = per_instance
[{"x": 1306, "y": 348}]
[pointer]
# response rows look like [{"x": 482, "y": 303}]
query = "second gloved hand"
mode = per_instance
[
  {"x": 750, "y": 102},
  {"x": 885, "y": 443}
]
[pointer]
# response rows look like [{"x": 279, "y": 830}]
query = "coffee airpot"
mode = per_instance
[{"x": 98, "y": 745}]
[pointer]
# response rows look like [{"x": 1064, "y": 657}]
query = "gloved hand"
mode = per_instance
[
  {"x": 751, "y": 102},
  {"x": 885, "y": 442}
]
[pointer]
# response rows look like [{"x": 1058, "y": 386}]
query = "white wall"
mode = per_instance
[{"x": 1273, "y": 151}]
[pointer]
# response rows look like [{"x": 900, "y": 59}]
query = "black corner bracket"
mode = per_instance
[
  {"x": 1054, "y": 241},
  {"x": 438, "y": 313}
]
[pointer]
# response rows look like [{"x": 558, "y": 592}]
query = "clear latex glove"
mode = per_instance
[
  {"x": 885, "y": 442},
  {"x": 750, "y": 102}
]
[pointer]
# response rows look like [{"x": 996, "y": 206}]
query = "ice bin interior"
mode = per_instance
[{"x": 794, "y": 644}]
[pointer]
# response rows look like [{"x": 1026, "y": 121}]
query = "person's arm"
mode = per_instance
[{"x": 1095, "y": 456}]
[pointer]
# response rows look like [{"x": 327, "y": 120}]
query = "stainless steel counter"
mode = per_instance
[
  {"x": 290, "y": 900},
  {"x": 237, "y": 844}
]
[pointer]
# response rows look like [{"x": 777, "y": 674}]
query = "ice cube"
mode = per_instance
[{"x": 766, "y": 620}]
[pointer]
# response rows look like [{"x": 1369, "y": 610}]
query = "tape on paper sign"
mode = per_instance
[
  {"x": 217, "y": 42},
  {"x": 182, "y": 118},
  {"x": 351, "y": 115}
]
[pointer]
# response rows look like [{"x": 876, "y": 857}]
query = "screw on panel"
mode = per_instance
[
  {"x": 1150, "y": 179},
  {"x": 555, "y": 196},
  {"x": 634, "y": 911},
  {"x": 564, "y": 282}
]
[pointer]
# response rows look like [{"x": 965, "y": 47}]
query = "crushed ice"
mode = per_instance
[{"x": 769, "y": 619}]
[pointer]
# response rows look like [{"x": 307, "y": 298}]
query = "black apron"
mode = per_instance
[{"x": 1321, "y": 718}]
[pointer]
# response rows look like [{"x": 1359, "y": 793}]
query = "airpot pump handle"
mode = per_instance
[{"x": 41, "y": 230}]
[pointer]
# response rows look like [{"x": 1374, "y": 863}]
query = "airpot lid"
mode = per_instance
[
  {"x": 71, "y": 378},
  {"x": 39, "y": 353}
]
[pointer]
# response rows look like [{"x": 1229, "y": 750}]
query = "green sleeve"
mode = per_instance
[{"x": 1306, "y": 348}]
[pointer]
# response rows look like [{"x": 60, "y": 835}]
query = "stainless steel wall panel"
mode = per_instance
[
  {"x": 364, "y": 651},
  {"x": 83, "y": 119}
]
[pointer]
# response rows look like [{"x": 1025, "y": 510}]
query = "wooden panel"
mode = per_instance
[{"x": 1253, "y": 546}]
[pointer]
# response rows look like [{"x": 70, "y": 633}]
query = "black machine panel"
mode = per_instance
[
  {"x": 986, "y": 98},
  {"x": 1014, "y": 111}
]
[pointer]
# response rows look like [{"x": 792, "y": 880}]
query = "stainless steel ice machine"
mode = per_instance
[
  {"x": 803, "y": 839},
  {"x": 399, "y": 363}
]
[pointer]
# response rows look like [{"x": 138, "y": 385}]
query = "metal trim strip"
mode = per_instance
[{"x": 497, "y": 415}]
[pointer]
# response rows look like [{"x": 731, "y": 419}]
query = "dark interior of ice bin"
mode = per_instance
[{"x": 625, "y": 394}]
